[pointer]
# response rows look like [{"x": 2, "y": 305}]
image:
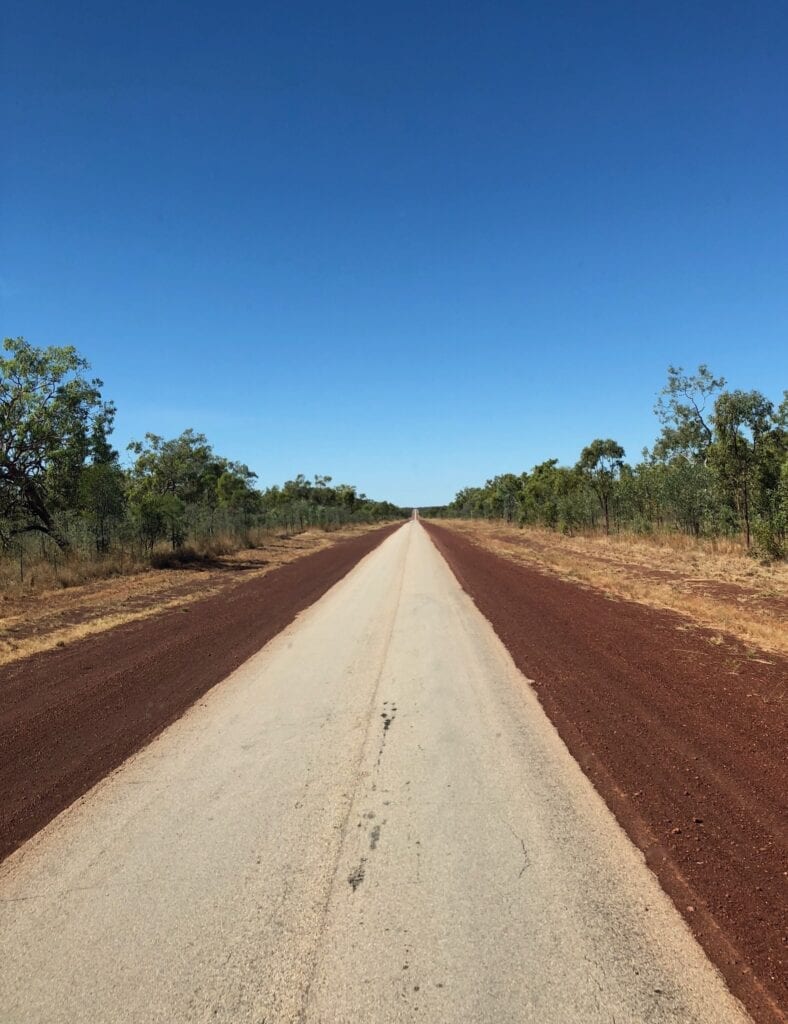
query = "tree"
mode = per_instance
[
  {"x": 51, "y": 418},
  {"x": 504, "y": 496},
  {"x": 234, "y": 489},
  {"x": 601, "y": 463},
  {"x": 742, "y": 421},
  {"x": 165, "y": 475},
  {"x": 102, "y": 498},
  {"x": 688, "y": 493},
  {"x": 192, "y": 477},
  {"x": 184, "y": 466},
  {"x": 682, "y": 409},
  {"x": 346, "y": 495},
  {"x": 467, "y": 502}
]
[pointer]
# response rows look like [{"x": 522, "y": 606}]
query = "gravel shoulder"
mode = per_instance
[
  {"x": 723, "y": 590},
  {"x": 70, "y": 715},
  {"x": 33, "y": 620},
  {"x": 684, "y": 738}
]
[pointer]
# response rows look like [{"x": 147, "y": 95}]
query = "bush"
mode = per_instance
[{"x": 769, "y": 541}]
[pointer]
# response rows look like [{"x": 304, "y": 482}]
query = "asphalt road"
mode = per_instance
[{"x": 372, "y": 820}]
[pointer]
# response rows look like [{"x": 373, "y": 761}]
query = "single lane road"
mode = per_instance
[{"x": 371, "y": 820}]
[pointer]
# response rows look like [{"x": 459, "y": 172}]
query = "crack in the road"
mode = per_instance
[{"x": 526, "y": 857}]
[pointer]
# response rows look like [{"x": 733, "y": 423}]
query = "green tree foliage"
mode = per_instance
[
  {"x": 554, "y": 496},
  {"x": 171, "y": 479},
  {"x": 61, "y": 477},
  {"x": 319, "y": 502},
  {"x": 601, "y": 464},
  {"x": 719, "y": 466},
  {"x": 683, "y": 410},
  {"x": 102, "y": 499},
  {"x": 746, "y": 465},
  {"x": 53, "y": 422}
]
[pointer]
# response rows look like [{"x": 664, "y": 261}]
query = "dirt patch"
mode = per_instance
[
  {"x": 723, "y": 590},
  {"x": 683, "y": 737},
  {"x": 69, "y": 716},
  {"x": 35, "y": 622}
]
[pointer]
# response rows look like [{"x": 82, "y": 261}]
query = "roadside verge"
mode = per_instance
[
  {"x": 70, "y": 716},
  {"x": 684, "y": 738}
]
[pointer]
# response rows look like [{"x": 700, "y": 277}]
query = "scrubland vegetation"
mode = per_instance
[
  {"x": 717, "y": 473},
  {"x": 714, "y": 583},
  {"x": 71, "y": 509}
]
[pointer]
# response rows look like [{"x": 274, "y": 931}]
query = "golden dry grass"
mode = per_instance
[
  {"x": 714, "y": 583},
  {"x": 43, "y": 573},
  {"x": 37, "y": 619}
]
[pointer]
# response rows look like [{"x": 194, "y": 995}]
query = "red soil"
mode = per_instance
[
  {"x": 69, "y": 716},
  {"x": 684, "y": 739}
]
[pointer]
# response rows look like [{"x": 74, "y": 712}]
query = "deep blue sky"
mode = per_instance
[{"x": 410, "y": 245}]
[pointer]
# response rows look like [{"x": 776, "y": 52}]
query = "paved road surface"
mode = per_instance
[{"x": 371, "y": 821}]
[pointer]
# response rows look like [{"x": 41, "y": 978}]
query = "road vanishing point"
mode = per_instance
[{"x": 372, "y": 820}]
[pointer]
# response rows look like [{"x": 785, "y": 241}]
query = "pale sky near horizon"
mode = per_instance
[{"x": 409, "y": 246}]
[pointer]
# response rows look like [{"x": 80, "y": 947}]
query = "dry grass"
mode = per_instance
[
  {"x": 715, "y": 583},
  {"x": 42, "y": 573},
  {"x": 53, "y": 612}
]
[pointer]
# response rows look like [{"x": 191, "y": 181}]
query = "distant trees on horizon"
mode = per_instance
[
  {"x": 62, "y": 480},
  {"x": 718, "y": 467}
]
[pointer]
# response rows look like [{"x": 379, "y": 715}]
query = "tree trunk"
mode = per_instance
[
  {"x": 746, "y": 510},
  {"x": 36, "y": 505}
]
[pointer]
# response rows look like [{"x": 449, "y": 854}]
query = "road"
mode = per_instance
[{"x": 372, "y": 820}]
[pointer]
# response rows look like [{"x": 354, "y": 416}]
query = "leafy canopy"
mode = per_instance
[{"x": 52, "y": 421}]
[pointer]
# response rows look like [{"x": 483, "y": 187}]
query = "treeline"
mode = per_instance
[
  {"x": 61, "y": 480},
  {"x": 718, "y": 467}
]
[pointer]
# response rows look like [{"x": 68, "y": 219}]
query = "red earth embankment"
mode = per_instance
[
  {"x": 69, "y": 716},
  {"x": 683, "y": 735}
]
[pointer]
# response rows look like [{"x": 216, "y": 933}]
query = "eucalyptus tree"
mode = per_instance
[
  {"x": 742, "y": 425},
  {"x": 601, "y": 463},
  {"x": 172, "y": 477},
  {"x": 684, "y": 408},
  {"x": 53, "y": 423}
]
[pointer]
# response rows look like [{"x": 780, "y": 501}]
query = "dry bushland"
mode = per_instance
[
  {"x": 714, "y": 582},
  {"x": 57, "y": 604},
  {"x": 33, "y": 570}
]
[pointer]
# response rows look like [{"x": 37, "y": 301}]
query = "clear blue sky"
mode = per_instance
[{"x": 411, "y": 245}]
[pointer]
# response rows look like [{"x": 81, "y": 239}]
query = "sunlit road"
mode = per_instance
[{"x": 371, "y": 821}]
